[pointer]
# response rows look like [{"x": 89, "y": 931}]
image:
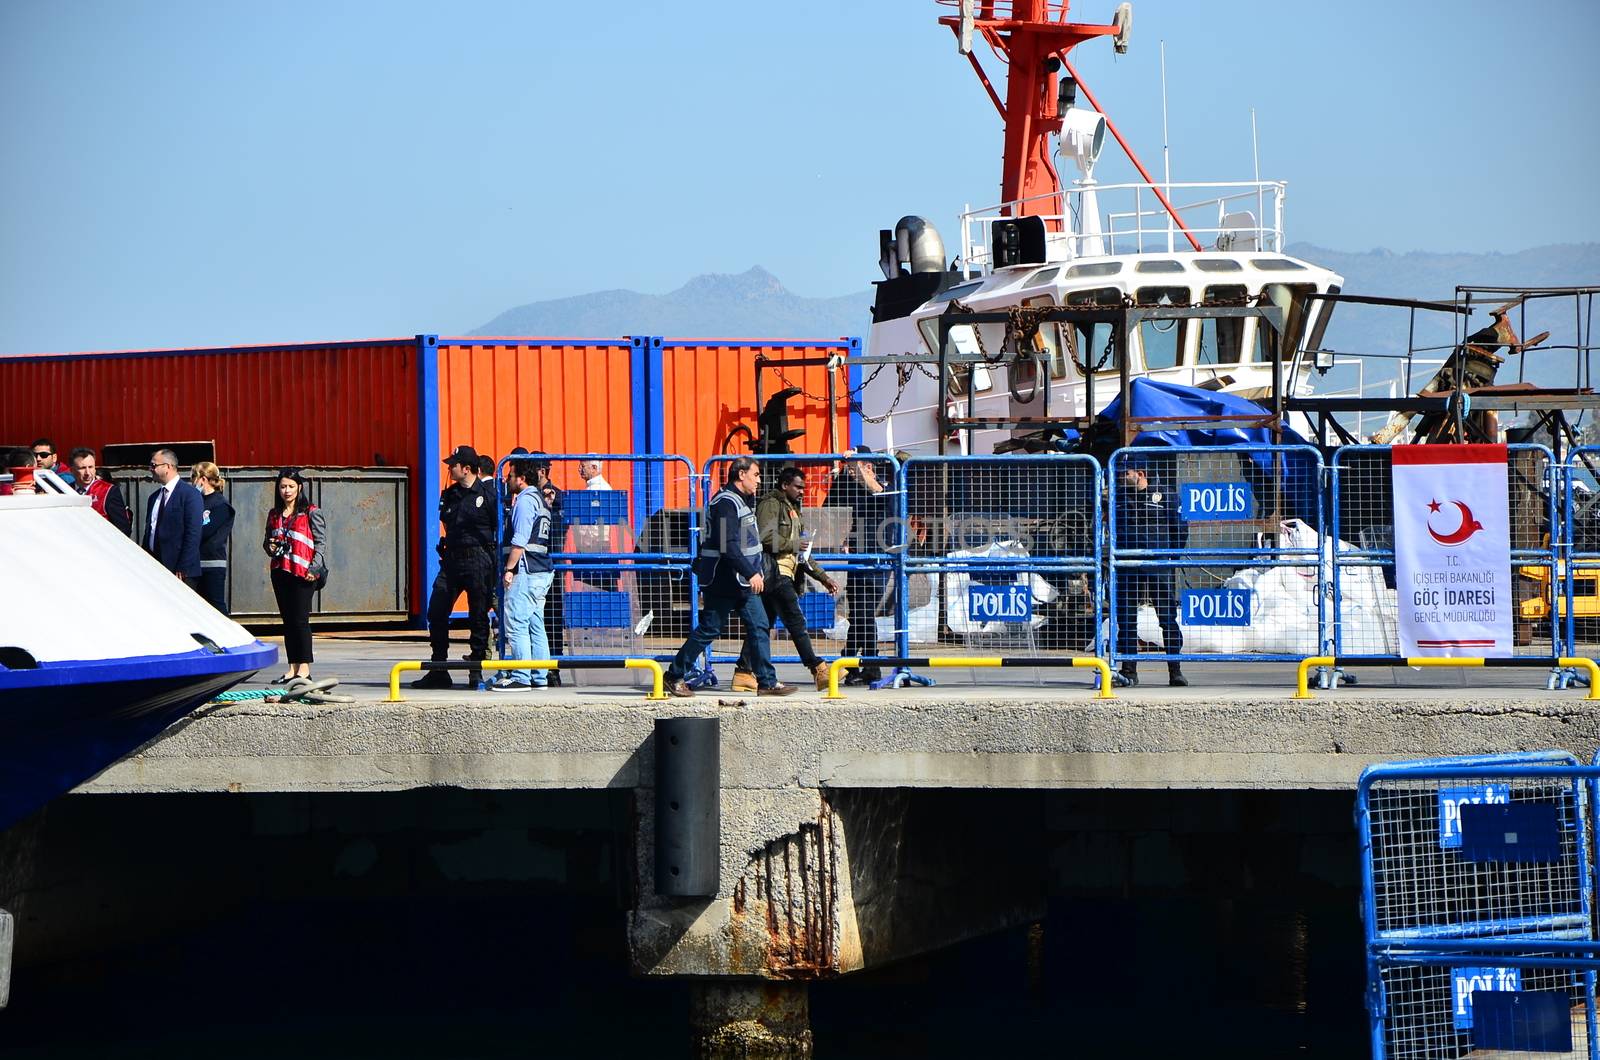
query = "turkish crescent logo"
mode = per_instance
[{"x": 1468, "y": 527}]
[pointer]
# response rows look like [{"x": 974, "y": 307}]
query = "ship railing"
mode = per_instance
[{"x": 1230, "y": 215}]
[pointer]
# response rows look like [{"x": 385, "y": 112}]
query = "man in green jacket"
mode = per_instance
[{"x": 778, "y": 519}]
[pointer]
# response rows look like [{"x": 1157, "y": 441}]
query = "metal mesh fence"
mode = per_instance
[
  {"x": 1215, "y": 553},
  {"x": 1003, "y": 555},
  {"x": 1365, "y": 619},
  {"x": 1424, "y": 882},
  {"x": 851, "y": 529},
  {"x": 1446, "y": 1008},
  {"x": 1474, "y": 872},
  {"x": 621, "y": 557}
]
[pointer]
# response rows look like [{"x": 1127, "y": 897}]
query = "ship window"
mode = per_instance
[
  {"x": 1293, "y": 299},
  {"x": 1042, "y": 276},
  {"x": 1277, "y": 265},
  {"x": 1161, "y": 340},
  {"x": 1050, "y": 334},
  {"x": 1161, "y": 265},
  {"x": 1089, "y": 343},
  {"x": 963, "y": 343},
  {"x": 960, "y": 290},
  {"x": 1222, "y": 339},
  {"x": 1217, "y": 265},
  {"x": 1097, "y": 268}
]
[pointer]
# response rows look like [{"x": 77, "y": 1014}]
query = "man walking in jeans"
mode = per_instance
[
  {"x": 729, "y": 567},
  {"x": 778, "y": 518},
  {"x": 527, "y": 575}
]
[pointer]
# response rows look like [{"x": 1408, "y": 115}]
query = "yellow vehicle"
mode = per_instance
[{"x": 1585, "y": 591}]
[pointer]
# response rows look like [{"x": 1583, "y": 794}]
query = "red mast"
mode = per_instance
[
  {"x": 1024, "y": 34},
  {"x": 1029, "y": 35}
]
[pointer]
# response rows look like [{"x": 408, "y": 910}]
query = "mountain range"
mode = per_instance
[{"x": 755, "y": 304}]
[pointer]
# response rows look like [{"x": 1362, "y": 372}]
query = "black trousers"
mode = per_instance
[
  {"x": 782, "y": 600},
  {"x": 1157, "y": 587},
  {"x": 469, "y": 571},
  {"x": 863, "y": 591},
  {"x": 213, "y": 586},
  {"x": 294, "y": 605}
]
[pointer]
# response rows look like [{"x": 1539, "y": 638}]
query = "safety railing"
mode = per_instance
[
  {"x": 1102, "y": 683},
  {"x": 851, "y": 528},
  {"x": 1216, "y": 553},
  {"x": 1003, "y": 554},
  {"x": 1334, "y": 662},
  {"x": 1367, "y": 603},
  {"x": 1241, "y": 216},
  {"x": 657, "y": 675},
  {"x": 623, "y": 584},
  {"x": 1477, "y": 905}
]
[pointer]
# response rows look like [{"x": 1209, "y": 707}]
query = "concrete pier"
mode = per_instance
[{"x": 854, "y": 833}]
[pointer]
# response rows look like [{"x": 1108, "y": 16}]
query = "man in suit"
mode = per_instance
[{"x": 173, "y": 517}]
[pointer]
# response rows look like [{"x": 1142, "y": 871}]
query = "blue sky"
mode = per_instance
[{"x": 194, "y": 173}]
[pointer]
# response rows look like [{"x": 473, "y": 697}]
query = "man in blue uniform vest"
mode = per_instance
[
  {"x": 729, "y": 567},
  {"x": 527, "y": 574}
]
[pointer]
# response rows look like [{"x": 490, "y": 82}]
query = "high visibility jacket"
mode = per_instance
[
  {"x": 299, "y": 531},
  {"x": 730, "y": 545}
]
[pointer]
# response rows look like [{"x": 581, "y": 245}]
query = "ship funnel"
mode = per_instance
[{"x": 917, "y": 244}]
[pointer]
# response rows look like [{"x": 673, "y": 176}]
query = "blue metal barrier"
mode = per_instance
[
  {"x": 1365, "y": 611},
  {"x": 1004, "y": 553},
  {"x": 1477, "y": 905},
  {"x": 1578, "y": 553},
  {"x": 1225, "y": 542},
  {"x": 841, "y": 512},
  {"x": 624, "y": 585}
]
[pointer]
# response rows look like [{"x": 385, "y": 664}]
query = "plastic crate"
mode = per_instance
[
  {"x": 817, "y": 609},
  {"x": 598, "y": 610},
  {"x": 594, "y": 507}
]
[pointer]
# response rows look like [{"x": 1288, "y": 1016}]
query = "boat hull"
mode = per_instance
[{"x": 62, "y": 723}]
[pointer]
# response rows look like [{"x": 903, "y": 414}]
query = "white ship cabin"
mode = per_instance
[{"x": 1087, "y": 257}]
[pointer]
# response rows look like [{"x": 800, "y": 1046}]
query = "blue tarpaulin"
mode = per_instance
[{"x": 1174, "y": 401}]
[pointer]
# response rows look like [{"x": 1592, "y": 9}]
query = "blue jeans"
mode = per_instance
[
  {"x": 713, "y": 616},
  {"x": 525, "y": 638}
]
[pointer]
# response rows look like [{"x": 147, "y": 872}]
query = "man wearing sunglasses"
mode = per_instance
[
  {"x": 44, "y": 455},
  {"x": 173, "y": 519}
]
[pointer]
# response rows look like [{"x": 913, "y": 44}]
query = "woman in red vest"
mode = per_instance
[{"x": 297, "y": 541}]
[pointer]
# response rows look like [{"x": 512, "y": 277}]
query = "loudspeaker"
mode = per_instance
[
  {"x": 1018, "y": 241},
  {"x": 688, "y": 806}
]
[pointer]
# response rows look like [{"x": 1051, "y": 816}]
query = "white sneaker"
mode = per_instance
[{"x": 506, "y": 685}]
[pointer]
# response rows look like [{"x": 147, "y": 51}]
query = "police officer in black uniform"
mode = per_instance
[
  {"x": 1147, "y": 519},
  {"x": 471, "y": 522}
]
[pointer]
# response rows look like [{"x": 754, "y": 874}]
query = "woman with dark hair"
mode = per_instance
[
  {"x": 297, "y": 541},
  {"x": 216, "y": 527}
]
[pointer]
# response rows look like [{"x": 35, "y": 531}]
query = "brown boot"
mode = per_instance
[
  {"x": 744, "y": 682},
  {"x": 821, "y": 673}
]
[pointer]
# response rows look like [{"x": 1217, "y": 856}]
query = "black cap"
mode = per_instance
[
  {"x": 863, "y": 448},
  {"x": 463, "y": 454}
]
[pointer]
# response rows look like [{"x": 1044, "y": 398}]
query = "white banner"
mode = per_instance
[{"x": 1452, "y": 550}]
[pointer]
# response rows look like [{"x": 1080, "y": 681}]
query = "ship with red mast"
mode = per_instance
[{"x": 1055, "y": 243}]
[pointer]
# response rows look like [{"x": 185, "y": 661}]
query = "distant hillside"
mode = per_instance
[{"x": 752, "y": 304}]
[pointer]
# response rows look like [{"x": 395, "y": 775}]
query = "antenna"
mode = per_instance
[
  {"x": 1166, "y": 154},
  {"x": 1261, "y": 206}
]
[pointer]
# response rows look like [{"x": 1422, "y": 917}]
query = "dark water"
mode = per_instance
[{"x": 209, "y": 927}]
